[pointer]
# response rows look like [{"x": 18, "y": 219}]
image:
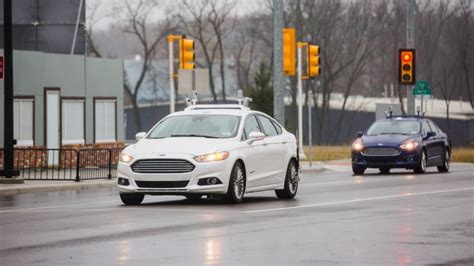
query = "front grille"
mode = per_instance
[
  {"x": 161, "y": 184},
  {"x": 162, "y": 166},
  {"x": 380, "y": 151}
]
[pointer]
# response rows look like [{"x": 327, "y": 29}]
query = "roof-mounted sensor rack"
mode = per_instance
[{"x": 242, "y": 103}]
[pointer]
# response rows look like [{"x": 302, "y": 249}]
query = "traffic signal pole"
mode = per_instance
[
  {"x": 8, "y": 155},
  {"x": 300, "y": 100},
  {"x": 411, "y": 10},
  {"x": 171, "y": 69}
]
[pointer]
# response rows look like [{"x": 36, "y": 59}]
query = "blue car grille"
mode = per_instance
[
  {"x": 162, "y": 166},
  {"x": 381, "y": 151}
]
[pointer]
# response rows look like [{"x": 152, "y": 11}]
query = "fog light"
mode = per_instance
[
  {"x": 209, "y": 181},
  {"x": 123, "y": 181}
]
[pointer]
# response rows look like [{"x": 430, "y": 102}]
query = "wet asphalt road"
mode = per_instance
[{"x": 337, "y": 218}]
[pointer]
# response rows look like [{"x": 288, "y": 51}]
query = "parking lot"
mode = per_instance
[{"x": 336, "y": 218}]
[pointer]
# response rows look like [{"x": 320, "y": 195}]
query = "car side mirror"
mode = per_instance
[
  {"x": 360, "y": 134},
  {"x": 254, "y": 136},
  {"x": 140, "y": 135},
  {"x": 430, "y": 134}
]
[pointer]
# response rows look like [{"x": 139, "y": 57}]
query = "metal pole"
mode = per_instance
[
  {"x": 411, "y": 10},
  {"x": 310, "y": 128},
  {"x": 77, "y": 26},
  {"x": 171, "y": 60},
  {"x": 9, "y": 142},
  {"x": 300, "y": 99},
  {"x": 278, "y": 79}
]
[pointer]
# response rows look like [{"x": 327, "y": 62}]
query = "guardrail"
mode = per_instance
[{"x": 66, "y": 164}]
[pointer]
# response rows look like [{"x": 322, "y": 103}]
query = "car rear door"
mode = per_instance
[{"x": 275, "y": 152}]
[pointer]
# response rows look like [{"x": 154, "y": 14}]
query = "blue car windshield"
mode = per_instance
[
  {"x": 394, "y": 127},
  {"x": 206, "y": 126}
]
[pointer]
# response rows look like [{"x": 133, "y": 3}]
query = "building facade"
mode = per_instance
[{"x": 65, "y": 100}]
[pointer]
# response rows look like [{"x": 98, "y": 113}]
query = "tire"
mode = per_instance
[
  {"x": 421, "y": 167},
  {"x": 291, "y": 182},
  {"x": 236, "y": 190},
  {"x": 193, "y": 197},
  {"x": 131, "y": 198},
  {"x": 444, "y": 168},
  {"x": 358, "y": 170},
  {"x": 384, "y": 170}
]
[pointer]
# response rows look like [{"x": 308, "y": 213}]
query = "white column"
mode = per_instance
[{"x": 171, "y": 59}]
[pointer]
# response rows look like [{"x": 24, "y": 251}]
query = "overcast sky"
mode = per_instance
[{"x": 243, "y": 7}]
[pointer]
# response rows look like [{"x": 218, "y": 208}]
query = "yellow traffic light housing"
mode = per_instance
[
  {"x": 289, "y": 51},
  {"x": 186, "y": 54},
  {"x": 407, "y": 66},
  {"x": 313, "y": 61}
]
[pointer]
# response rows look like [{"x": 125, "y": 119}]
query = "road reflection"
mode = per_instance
[
  {"x": 404, "y": 256},
  {"x": 213, "y": 247},
  {"x": 124, "y": 252}
]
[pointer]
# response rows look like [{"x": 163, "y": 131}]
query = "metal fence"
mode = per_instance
[{"x": 66, "y": 164}]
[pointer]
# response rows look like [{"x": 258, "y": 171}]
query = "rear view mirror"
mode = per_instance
[
  {"x": 140, "y": 135},
  {"x": 254, "y": 136},
  {"x": 360, "y": 134}
]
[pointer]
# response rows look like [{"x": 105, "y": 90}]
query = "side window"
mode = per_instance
[
  {"x": 267, "y": 126},
  {"x": 434, "y": 127},
  {"x": 251, "y": 125},
  {"x": 426, "y": 128},
  {"x": 278, "y": 128}
]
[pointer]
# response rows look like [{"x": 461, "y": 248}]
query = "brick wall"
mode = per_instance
[{"x": 91, "y": 155}]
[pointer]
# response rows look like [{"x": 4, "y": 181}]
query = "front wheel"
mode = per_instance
[
  {"x": 131, "y": 198},
  {"x": 445, "y": 166},
  {"x": 291, "y": 183},
  {"x": 236, "y": 190},
  {"x": 421, "y": 167},
  {"x": 358, "y": 170}
]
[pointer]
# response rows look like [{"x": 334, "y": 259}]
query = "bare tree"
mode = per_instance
[
  {"x": 207, "y": 21},
  {"x": 137, "y": 21}
]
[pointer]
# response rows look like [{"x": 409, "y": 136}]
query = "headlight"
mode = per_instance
[
  {"x": 218, "y": 156},
  {"x": 409, "y": 145},
  {"x": 125, "y": 158},
  {"x": 357, "y": 145}
]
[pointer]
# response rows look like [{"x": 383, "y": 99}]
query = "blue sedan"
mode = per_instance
[{"x": 401, "y": 142}]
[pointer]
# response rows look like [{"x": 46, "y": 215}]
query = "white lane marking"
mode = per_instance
[
  {"x": 361, "y": 200},
  {"x": 57, "y": 206}
]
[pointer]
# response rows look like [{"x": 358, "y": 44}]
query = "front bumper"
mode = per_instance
[
  {"x": 219, "y": 169},
  {"x": 407, "y": 160}
]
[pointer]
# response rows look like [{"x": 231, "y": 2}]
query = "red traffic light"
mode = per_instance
[{"x": 406, "y": 56}]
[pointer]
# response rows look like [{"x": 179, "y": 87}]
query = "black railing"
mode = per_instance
[{"x": 66, "y": 164}]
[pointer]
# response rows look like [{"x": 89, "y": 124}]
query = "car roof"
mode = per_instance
[
  {"x": 404, "y": 118},
  {"x": 223, "y": 109}
]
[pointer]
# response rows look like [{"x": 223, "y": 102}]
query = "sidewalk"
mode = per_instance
[{"x": 32, "y": 186}]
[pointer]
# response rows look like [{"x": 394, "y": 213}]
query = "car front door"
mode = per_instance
[
  {"x": 438, "y": 143},
  {"x": 430, "y": 143},
  {"x": 254, "y": 153}
]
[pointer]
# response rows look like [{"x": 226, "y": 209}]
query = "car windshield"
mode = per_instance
[
  {"x": 394, "y": 127},
  {"x": 207, "y": 126}
]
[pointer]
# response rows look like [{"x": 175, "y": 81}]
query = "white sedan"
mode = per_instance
[{"x": 210, "y": 150}]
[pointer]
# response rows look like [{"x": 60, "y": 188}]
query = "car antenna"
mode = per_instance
[
  {"x": 389, "y": 113},
  {"x": 245, "y": 101}
]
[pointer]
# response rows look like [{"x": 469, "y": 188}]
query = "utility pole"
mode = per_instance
[
  {"x": 411, "y": 12},
  {"x": 300, "y": 99},
  {"x": 278, "y": 79},
  {"x": 8, "y": 167}
]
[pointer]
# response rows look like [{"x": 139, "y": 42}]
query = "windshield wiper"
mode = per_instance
[
  {"x": 193, "y": 135},
  {"x": 394, "y": 133}
]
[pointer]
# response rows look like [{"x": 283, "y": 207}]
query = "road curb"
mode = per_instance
[
  {"x": 37, "y": 188},
  {"x": 308, "y": 171}
]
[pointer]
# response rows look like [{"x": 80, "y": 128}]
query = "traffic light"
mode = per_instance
[
  {"x": 186, "y": 54},
  {"x": 313, "y": 61},
  {"x": 289, "y": 51},
  {"x": 407, "y": 66}
]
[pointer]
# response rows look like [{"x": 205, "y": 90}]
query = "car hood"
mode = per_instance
[
  {"x": 392, "y": 139},
  {"x": 183, "y": 145}
]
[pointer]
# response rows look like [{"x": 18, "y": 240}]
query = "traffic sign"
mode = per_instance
[{"x": 422, "y": 88}]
